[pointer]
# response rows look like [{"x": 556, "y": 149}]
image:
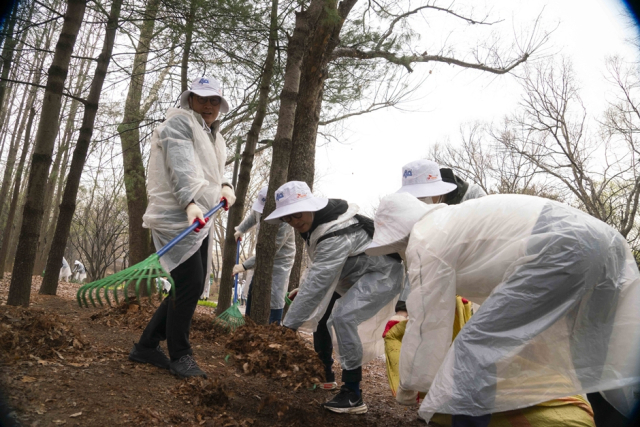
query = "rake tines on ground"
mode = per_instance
[
  {"x": 231, "y": 319},
  {"x": 141, "y": 274}
]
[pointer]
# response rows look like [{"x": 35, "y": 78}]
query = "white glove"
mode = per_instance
[
  {"x": 238, "y": 268},
  {"x": 227, "y": 193},
  {"x": 194, "y": 213},
  {"x": 237, "y": 234},
  {"x": 293, "y": 293}
]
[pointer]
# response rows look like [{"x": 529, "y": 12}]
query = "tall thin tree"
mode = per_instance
[{"x": 20, "y": 288}]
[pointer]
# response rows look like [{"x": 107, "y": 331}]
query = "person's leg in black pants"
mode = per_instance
[
  {"x": 172, "y": 319},
  {"x": 247, "y": 310},
  {"x": 322, "y": 343}
]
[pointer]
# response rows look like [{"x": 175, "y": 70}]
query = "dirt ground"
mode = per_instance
[{"x": 66, "y": 365}]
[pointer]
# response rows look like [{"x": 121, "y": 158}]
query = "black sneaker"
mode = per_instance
[
  {"x": 346, "y": 402},
  {"x": 154, "y": 356},
  {"x": 186, "y": 367}
]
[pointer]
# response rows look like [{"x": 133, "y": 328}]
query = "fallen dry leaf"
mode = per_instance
[
  {"x": 26, "y": 379},
  {"x": 76, "y": 415}
]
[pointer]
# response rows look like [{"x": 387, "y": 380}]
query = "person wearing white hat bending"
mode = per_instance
[
  {"x": 80, "y": 271},
  {"x": 185, "y": 179},
  {"x": 282, "y": 263},
  {"x": 559, "y": 292},
  {"x": 368, "y": 286},
  {"x": 430, "y": 184}
]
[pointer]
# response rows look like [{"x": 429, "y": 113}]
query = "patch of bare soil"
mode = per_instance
[
  {"x": 276, "y": 352},
  {"x": 96, "y": 384}
]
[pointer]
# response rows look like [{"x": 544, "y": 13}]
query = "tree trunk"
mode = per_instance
[
  {"x": 7, "y": 51},
  {"x": 134, "y": 173},
  {"x": 236, "y": 211},
  {"x": 62, "y": 155},
  {"x": 8, "y": 229},
  {"x": 68, "y": 205},
  {"x": 13, "y": 153},
  {"x": 265, "y": 247},
  {"x": 20, "y": 288},
  {"x": 187, "y": 46}
]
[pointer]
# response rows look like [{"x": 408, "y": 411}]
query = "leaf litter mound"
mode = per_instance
[
  {"x": 129, "y": 314},
  {"x": 34, "y": 333},
  {"x": 275, "y": 352}
]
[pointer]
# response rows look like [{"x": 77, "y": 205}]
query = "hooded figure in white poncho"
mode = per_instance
[
  {"x": 282, "y": 261},
  {"x": 559, "y": 291}
]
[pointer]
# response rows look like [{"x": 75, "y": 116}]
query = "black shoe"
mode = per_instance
[
  {"x": 186, "y": 367},
  {"x": 154, "y": 356},
  {"x": 346, "y": 402}
]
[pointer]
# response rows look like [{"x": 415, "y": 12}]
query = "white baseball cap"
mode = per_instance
[
  {"x": 258, "y": 204},
  {"x": 422, "y": 178},
  {"x": 204, "y": 86},
  {"x": 294, "y": 197},
  {"x": 395, "y": 217}
]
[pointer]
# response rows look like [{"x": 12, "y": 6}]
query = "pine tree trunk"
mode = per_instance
[
  {"x": 134, "y": 173},
  {"x": 265, "y": 247},
  {"x": 236, "y": 211},
  {"x": 8, "y": 229},
  {"x": 7, "y": 51},
  {"x": 184, "y": 76},
  {"x": 20, "y": 288},
  {"x": 68, "y": 205}
]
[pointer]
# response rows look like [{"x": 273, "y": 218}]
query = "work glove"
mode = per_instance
[
  {"x": 400, "y": 316},
  {"x": 293, "y": 293},
  {"x": 229, "y": 196},
  {"x": 194, "y": 213},
  {"x": 237, "y": 234},
  {"x": 238, "y": 268}
]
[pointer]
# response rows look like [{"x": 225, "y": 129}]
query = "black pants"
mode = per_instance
[
  {"x": 172, "y": 319},
  {"x": 323, "y": 345}
]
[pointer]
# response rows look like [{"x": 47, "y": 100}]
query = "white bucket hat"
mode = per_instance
[
  {"x": 258, "y": 204},
  {"x": 205, "y": 86},
  {"x": 294, "y": 197},
  {"x": 395, "y": 217},
  {"x": 422, "y": 179}
]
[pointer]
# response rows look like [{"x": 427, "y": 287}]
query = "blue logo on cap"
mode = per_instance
[
  {"x": 264, "y": 199},
  {"x": 203, "y": 81},
  {"x": 407, "y": 172},
  {"x": 279, "y": 196}
]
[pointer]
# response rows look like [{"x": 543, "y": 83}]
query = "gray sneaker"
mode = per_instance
[
  {"x": 154, "y": 356},
  {"x": 186, "y": 367}
]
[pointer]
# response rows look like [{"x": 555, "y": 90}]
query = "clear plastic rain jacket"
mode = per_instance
[
  {"x": 560, "y": 292},
  {"x": 186, "y": 163},
  {"x": 65, "y": 270},
  {"x": 283, "y": 261},
  {"x": 473, "y": 191},
  {"x": 369, "y": 287},
  {"x": 81, "y": 272}
]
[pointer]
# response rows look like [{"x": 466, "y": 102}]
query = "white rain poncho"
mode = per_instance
[
  {"x": 80, "y": 271},
  {"x": 560, "y": 292},
  {"x": 282, "y": 262},
  {"x": 185, "y": 164},
  {"x": 65, "y": 271},
  {"x": 369, "y": 287}
]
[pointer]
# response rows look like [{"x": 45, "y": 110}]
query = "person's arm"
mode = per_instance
[
  {"x": 329, "y": 258},
  {"x": 248, "y": 223},
  {"x": 429, "y": 331},
  {"x": 176, "y": 140}
]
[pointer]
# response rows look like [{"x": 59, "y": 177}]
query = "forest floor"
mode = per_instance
[{"x": 65, "y": 365}]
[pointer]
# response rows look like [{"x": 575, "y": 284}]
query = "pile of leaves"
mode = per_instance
[
  {"x": 202, "y": 392},
  {"x": 28, "y": 332},
  {"x": 276, "y": 352},
  {"x": 203, "y": 329},
  {"x": 130, "y": 314}
]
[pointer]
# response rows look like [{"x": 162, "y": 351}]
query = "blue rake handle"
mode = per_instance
[
  {"x": 235, "y": 286},
  {"x": 188, "y": 230}
]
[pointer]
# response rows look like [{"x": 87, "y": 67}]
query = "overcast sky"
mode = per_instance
[{"x": 366, "y": 164}]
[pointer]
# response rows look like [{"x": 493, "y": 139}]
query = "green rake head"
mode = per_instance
[
  {"x": 140, "y": 274},
  {"x": 230, "y": 320}
]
